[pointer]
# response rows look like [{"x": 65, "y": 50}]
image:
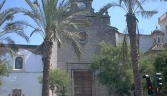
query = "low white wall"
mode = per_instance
[
  {"x": 25, "y": 80},
  {"x": 28, "y": 82}
]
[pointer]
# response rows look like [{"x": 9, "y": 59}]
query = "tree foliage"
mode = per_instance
[
  {"x": 146, "y": 64},
  {"x": 160, "y": 65},
  {"x": 55, "y": 19},
  {"x": 5, "y": 69},
  {"x": 147, "y": 67},
  {"x": 132, "y": 7},
  {"x": 6, "y": 30},
  {"x": 5, "y": 40},
  {"x": 108, "y": 63},
  {"x": 60, "y": 80}
]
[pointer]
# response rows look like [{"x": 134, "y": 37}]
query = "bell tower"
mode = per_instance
[{"x": 157, "y": 37}]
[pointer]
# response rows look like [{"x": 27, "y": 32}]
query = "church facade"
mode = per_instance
[{"x": 27, "y": 66}]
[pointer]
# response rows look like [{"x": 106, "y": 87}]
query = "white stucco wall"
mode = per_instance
[
  {"x": 163, "y": 29},
  {"x": 26, "y": 79},
  {"x": 145, "y": 41}
]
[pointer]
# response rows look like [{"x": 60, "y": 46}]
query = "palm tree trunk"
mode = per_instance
[
  {"x": 131, "y": 24},
  {"x": 46, "y": 55}
]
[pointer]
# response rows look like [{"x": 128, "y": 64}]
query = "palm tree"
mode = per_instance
[
  {"x": 53, "y": 18},
  {"x": 5, "y": 40},
  {"x": 131, "y": 8}
]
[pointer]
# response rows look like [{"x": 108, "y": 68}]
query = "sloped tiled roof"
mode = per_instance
[{"x": 157, "y": 47}]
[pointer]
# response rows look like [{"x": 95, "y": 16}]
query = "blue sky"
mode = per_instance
[
  {"x": 145, "y": 25},
  {"x": 117, "y": 18}
]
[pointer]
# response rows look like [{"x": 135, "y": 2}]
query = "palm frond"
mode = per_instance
[
  {"x": 23, "y": 35},
  {"x": 130, "y": 6},
  {"x": 120, "y": 2},
  {"x": 36, "y": 14},
  {"x": 32, "y": 5},
  {"x": 81, "y": 22},
  {"x": 124, "y": 3},
  {"x": 62, "y": 4},
  {"x": 9, "y": 44},
  {"x": 8, "y": 14},
  {"x": 110, "y": 5},
  {"x": 75, "y": 20},
  {"x": 56, "y": 37},
  {"x": 10, "y": 28},
  {"x": 139, "y": 5},
  {"x": 147, "y": 14},
  {"x": 35, "y": 31},
  {"x": 8, "y": 48},
  {"x": 54, "y": 17},
  {"x": 17, "y": 24},
  {"x": 9, "y": 40},
  {"x": 71, "y": 37},
  {"x": 16, "y": 28},
  {"x": 2, "y": 3},
  {"x": 43, "y": 8}
]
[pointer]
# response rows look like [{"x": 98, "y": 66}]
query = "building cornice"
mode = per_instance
[{"x": 162, "y": 19}]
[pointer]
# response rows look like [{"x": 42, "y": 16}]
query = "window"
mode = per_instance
[
  {"x": 159, "y": 40},
  {"x": 16, "y": 92},
  {"x": 83, "y": 37},
  {"x": 18, "y": 63},
  {"x": 154, "y": 40},
  {"x": 83, "y": 83}
]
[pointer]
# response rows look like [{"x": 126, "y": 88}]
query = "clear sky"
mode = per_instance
[
  {"x": 117, "y": 17},
  {"x": 145, "y": 25}
]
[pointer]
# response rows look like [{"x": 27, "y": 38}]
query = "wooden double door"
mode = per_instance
[{"x": 83, "y": 83}]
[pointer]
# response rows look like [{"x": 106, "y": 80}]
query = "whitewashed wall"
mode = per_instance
[
  {"x": 26, "y": 79},
  {"x": 163, "y": 29},
  {"x": 145, "y": 41}
]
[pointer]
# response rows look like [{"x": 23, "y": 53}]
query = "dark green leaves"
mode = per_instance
[{"x": 108, "y": 63}]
